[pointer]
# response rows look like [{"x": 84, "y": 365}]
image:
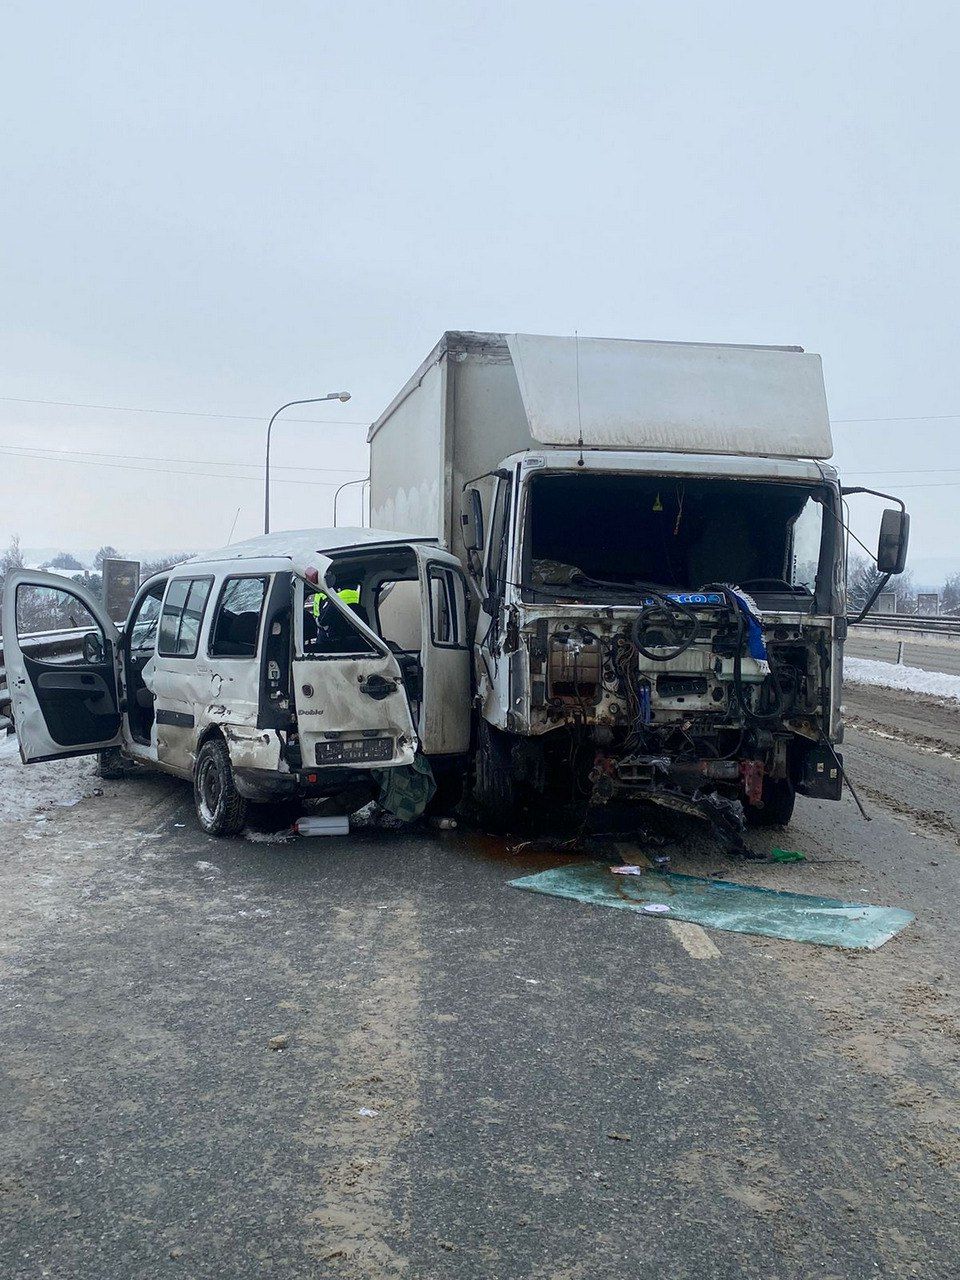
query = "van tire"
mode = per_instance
[
  {"x": 221, "y": 810},
  {"x": 494, "y": 788},
  {"x": 779, "y": 797}
]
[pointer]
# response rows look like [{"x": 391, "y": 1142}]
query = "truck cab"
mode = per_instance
[{"x": 298, "y": 665}]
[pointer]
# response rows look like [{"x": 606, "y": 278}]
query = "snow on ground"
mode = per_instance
[
  {"x": 935, "y": 684},
  {"x": 26, "y": 789}
]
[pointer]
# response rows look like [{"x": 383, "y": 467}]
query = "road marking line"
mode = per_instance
[{"x": 694, "y": 940}]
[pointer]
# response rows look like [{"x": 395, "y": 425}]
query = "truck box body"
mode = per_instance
[{"x": 480, "y": 397}]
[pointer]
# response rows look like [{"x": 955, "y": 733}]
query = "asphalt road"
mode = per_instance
[{"x": 559, "y": 1091}]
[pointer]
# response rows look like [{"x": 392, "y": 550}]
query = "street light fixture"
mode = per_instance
[
  {"x": 343, "y": 396},
  {"x": 346, "y": 485}
]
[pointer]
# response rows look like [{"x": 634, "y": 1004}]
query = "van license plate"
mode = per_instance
[{"x": 354, "y": 750}]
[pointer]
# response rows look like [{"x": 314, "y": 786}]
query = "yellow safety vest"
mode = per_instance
[{"x": 349, "y": 595}]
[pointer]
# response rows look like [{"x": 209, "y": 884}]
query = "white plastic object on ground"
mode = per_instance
[
  {"x": 629, "y": 870},
  {"x": 338, "y": 825},
  {"x": 889, "y": 675},
  {"x": 655, "y": 908}
]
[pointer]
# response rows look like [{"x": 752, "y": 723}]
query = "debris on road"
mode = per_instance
[
  {"x": 368, "y": 1112},
  {"x": 618, "y": 1137},
  {"x": 721, "y": 904},
  {"x": 279, "y": 1042},
  {"x": 317, "y": 825},
  {"x": 787, "y": 855}
]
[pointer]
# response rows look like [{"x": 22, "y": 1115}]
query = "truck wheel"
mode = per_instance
[
  {"x": 494, "y": 789},
  {"x": 111, "y": 764},
  {"x": 221, "y": 810},
  {"x": 779, "y": 797}
]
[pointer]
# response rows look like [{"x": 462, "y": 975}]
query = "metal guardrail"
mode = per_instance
[{"x": 910, "y": 622}]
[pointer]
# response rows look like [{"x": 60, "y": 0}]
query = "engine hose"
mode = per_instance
[
  {"x": 663, "y": 607},
  {"x": 755, "y": 717}
]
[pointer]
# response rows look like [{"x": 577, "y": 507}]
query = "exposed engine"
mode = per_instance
[{"x": 688, "y": 702}]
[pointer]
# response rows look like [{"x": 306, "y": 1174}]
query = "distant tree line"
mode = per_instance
[{"x": 46, "y": 611}]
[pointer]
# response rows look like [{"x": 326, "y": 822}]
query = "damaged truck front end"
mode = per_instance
[{"x": 666, "y": 630}]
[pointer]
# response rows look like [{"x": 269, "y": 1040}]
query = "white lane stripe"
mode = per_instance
[{"x": 694, "y": 940}]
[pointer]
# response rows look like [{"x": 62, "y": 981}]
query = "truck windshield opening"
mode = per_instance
[{"x": 586, "y": 531}]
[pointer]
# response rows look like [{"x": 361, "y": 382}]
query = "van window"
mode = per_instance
[
  {"x": 236, "y": 623},
  {"x": 181, "y": 617},
  {"x": 446, "y": 606}
]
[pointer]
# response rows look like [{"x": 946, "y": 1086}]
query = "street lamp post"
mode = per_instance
[
  {"x": 346, "y": 485},
  {"x": 333, "y": 395}
]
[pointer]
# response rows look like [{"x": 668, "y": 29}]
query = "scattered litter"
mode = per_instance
[
  {"x": 179, "y": 824},
  {"x": 721, "y": 904},
  {"x": 336, "y": 825},
  {"x": 618, "y": 1137},
  {"x": 279, "y": 1042},
  {"x": 629, "y": 870},
  {"x": 534, "y": 982},
  {"x": 368, "y": 1112},
  {"x": 655, "y": 908},
  {"x": 787, "y": 855},
  {"x": 444, "y": 824},
  {"x": 208, "y": 866}
]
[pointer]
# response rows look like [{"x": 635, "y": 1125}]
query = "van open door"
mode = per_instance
[
  {"x": 445, "y": 655},
  {"x": 65, "y": 701},
  {"x": 351, "y": 703}
]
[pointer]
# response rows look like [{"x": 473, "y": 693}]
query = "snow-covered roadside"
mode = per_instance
[
  {"x": 934, "y": 684},
  {"x": 25, "y": 789}
]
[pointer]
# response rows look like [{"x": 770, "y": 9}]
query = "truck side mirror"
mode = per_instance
[
  {"x": 894, "y": 539},
  {"x": 471, "y": 520}
]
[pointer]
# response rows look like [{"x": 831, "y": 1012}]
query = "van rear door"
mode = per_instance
[{"x": 352, "y": 707}]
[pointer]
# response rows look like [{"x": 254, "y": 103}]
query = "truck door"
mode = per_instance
[
  {"x": 351, "y": 703},
  {"x": 446, "y": 655},
  {"x": 65, "y": 701}
]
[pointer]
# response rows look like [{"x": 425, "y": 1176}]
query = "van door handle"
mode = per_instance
[{"x": 378, "y": 687}]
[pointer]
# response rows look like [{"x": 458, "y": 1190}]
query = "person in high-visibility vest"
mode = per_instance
[
  {"x": 330, "y": 625},
  {"x": 349, "y": 595}
]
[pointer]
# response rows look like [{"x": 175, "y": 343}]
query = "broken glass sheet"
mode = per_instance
[{"x": 720, "y": 904}]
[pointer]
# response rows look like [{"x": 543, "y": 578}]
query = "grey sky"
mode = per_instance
[{"x": 218, "y": 207}]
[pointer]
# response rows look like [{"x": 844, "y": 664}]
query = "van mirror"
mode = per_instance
[
  {"x": 894, "y": 540},
  {"x": 471, "y": 520}
]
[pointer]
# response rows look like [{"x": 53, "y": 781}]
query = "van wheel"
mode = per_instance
[
  {"x": 494, "y": 789},
  {"x": 779, "y": 798},
  {"x": 221, "y": 810}
]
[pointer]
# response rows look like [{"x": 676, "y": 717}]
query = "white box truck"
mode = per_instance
[{"x": 656, "y": 545}]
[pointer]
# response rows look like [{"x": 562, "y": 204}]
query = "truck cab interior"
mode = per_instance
[{"x": 589, "y": 532}]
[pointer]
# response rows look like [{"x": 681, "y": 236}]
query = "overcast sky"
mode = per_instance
[{"x": 217, "y": 207}]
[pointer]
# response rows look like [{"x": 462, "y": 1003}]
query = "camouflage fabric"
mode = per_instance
[{"x": 406, "y": 790}]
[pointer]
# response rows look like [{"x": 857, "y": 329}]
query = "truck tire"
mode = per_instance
[
  {"x": 779, "y": 797},
  {"x": 111, "y": 764},
  {"x": 494, "y": 788},
  {"x": 221, "y": 810}
]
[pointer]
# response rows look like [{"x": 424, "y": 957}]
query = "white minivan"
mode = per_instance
[{"x": 293, "y": 665}]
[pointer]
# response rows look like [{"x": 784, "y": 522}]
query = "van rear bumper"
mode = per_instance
[{"x": 263, "y": 785}]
